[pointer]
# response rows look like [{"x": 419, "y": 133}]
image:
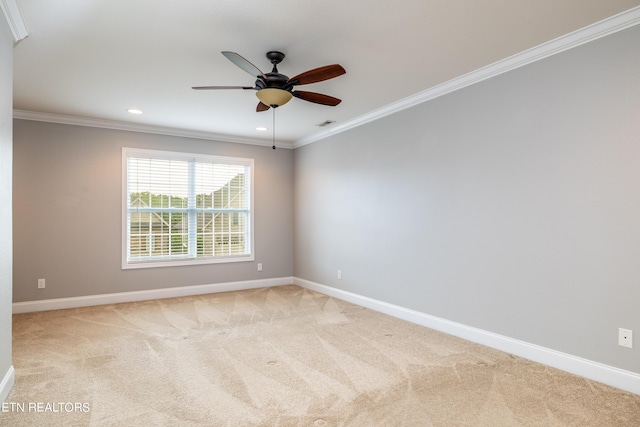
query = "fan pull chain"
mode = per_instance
[{"x": 273, "y": 107}]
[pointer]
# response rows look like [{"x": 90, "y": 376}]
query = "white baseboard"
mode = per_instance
[
  {"x": 6, "y": 384},
  {"x": 89, "y": 300},
  {"x": 619, "y": 378}
]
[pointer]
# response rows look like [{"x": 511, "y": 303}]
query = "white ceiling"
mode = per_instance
[{"x": 97, "y": 58}]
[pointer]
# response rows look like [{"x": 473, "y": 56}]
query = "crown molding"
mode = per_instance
[
  {"x": 137, "y": 127},
  {"x": 13, "y": 15},
  {"x": 593, "y": 32}
]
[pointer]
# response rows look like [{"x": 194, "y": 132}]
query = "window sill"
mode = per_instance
[{"x": 185, "y": 262}]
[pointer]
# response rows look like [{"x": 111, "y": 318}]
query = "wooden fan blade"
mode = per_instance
[
  {"x": 243, "y": 63},
  {"x": 318, "y": 98},
  {"x": 262, "y": 107},
  {"x": 317, "y": 75},
  {"x": 221, "y": 87}
]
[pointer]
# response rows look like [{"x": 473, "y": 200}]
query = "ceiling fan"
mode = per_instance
[{"x": 274, "y": 89}]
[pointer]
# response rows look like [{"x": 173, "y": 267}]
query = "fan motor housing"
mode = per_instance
[{"x": 275, "y": 81}]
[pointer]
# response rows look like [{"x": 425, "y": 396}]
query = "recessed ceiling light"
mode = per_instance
[
  {"x": 134, "y": 111},
  {"x": 261, "y": 128}
]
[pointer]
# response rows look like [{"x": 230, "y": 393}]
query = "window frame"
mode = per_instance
[{"x": 128, "y": 152}]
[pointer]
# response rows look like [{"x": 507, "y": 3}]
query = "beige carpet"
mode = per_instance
[{"x": 281, "y": 356}]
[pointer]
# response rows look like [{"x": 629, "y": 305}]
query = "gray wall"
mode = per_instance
[
  {"x": 67, "y": 212},
  {"x": 6, "y": 114},
  {"x": 512, "y": 205}
]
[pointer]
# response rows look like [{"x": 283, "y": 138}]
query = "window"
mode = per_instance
[{"x": 183, "y": 209}]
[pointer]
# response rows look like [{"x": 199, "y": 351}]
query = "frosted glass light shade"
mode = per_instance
[{"x": 271, "y": 96}]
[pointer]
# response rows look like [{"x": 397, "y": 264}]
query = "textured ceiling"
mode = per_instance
[{"x": 97, "y": 58}]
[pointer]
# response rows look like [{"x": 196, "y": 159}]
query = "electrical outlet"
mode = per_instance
[
  {"x": 625, "y": 337},
  {"x": 339, "y": 274},
  {"x": 41, "y": 284},
  {"x": 259, "y": 266}
]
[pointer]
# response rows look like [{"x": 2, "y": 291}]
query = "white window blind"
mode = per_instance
[{"x": 185, "y": 208}]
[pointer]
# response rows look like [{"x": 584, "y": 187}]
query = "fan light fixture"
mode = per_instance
[
  {"x": 275, "y": 89},
  {"x": 274, "y": 97}
]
